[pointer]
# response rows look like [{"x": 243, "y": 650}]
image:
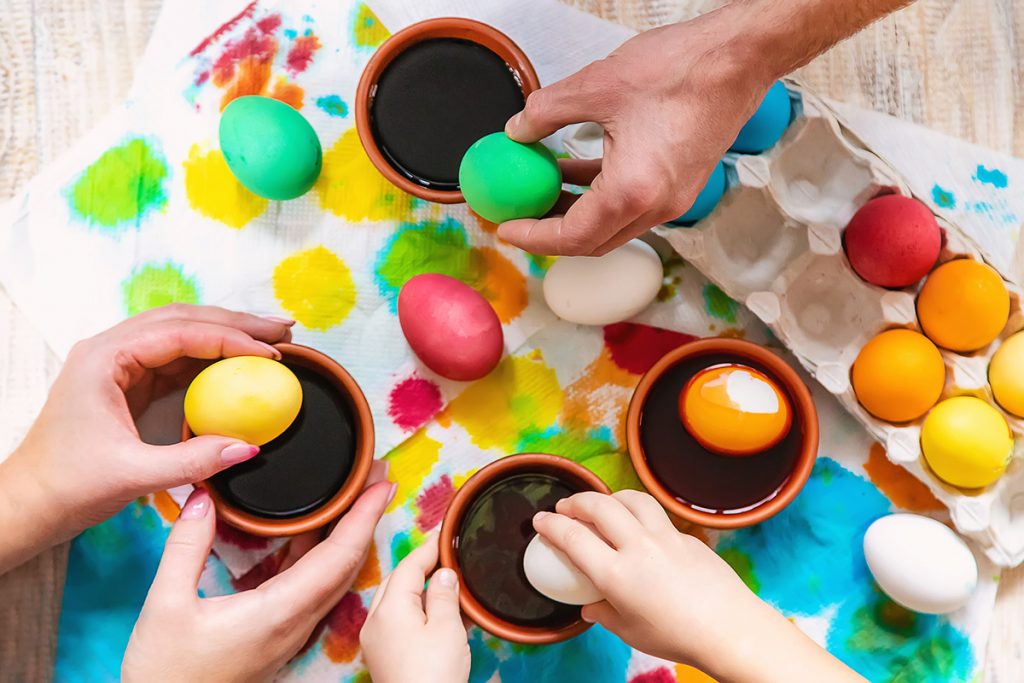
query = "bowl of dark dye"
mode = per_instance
[
  {"x": 484, "y": 535},
  {"x": 432, "y": 90},
  {"x": 312, "y": 473},
  {"x": 702, "y": 486}
]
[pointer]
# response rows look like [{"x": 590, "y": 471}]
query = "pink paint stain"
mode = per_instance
[
  {"x": 258, "y": 42},
  {"x": 300, "y": 56},
  {"x": 635, "y": 348},
  {"x": 240, "y": 539},
  {"x": 224, "y": 28},
  {"x": 341, "y": 644},
  {"x": 661, "y": 675},
  {"x": 433, "y": 502},
  {"x": 413, "y": 402}
]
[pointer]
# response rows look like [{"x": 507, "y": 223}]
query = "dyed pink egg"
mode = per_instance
[
  {"x": 893, "y": 241},
  {"x": 452, "y": 329}
]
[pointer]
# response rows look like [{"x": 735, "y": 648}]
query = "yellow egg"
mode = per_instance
[
  {"x": 898, "y": 375},
  {"x": 734, "y": 410},
  {"x": 963, "y": 305},
  {"x": 247, "y": 397},
  {"x": 966, "y": 442},
  {"x": 1006, "y": 375}
]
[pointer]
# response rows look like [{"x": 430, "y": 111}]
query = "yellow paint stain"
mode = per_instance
[
  {"x": 688, "y": 674},
  {"x": 502, "y": 284},
  {"x": 410, "y": 463},
  {"x": 459, "y": 479},
  {"x": 369, "y": 574},
  {"x": 897, "y": 484},
  {"x": 315, "y": 287},
  {"x": 213, "y": 190},
  {"x": 600, "y": 396},
  {"x": 522, "y": 391},
  {"x": 350, "y": 186}
]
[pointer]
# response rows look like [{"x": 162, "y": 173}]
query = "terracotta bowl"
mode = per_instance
[
  {"x": 326, "y": 366},
  {"x": 524, "y": 463},
  {"x": 805, "y": 418},
  {"x": 445, "y": 27}
]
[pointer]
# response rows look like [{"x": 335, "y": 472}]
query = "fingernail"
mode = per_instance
[
  {"x": 391, "y": 493},
  {"x": 238, "y": 452},
  {"x": 197, "y": 505},
  {"x": 273, "y": 352},
  {"x": 513, "y": 122},
  {"x": 540, "y": 515},
  {"x": 278, "y": 319},
  {"x": 584, "y": 617},
  {"x": 446, "y": 577}
]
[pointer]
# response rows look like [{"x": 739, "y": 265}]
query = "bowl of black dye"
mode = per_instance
[
  {"x": 312, "y": 473},
  {"x": 432, "y": 90},
  {"x": 484, "y": 536}
]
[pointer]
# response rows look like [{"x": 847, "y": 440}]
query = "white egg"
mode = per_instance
[
  {"x": 920, "y": 563},
  {"x": 601, "y": 290},
  {"x": 555, "y": 576}
]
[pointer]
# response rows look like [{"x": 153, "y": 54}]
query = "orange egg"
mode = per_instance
[
  {"x": 898, "y": 375},
  {"x": 963, "y": 305},
  {"x": 734, "y": 410}
]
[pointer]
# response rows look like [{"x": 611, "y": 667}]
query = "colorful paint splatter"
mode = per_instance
[
  {"x": 121, "y": 187},
  {"x": 157, "y": 284}
]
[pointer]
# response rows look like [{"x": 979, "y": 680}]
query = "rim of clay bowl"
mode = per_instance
[
  {"x": 805, "y": 415},
  {"x": 442, "y": 27},
  {"x": 341, "y": 501},
  {"x": 560, "y": 467}
]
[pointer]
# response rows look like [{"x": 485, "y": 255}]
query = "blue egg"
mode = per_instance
[
  {"x": 767, "y": 124},
  {"x": 708, "y": 198}
]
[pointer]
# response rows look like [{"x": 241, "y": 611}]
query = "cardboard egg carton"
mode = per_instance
[{"x": 774, "y": 242}]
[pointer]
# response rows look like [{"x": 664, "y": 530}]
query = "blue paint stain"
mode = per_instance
[
  {"x": 333, "y": 105},
  {"x": 110, "y": 568},
  {"x": 290, "y": 33},
  {"x": 484, "y": 659},
  {"x": 990, "y": 176},
  {"x": 592, "y": 657},
  {"x": 943, "y": 198}
]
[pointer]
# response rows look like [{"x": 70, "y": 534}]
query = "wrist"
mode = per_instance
[{"x": 29, "y": 514}]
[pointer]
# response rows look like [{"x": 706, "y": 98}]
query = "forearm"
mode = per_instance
[{"x": 28, "y": 519}]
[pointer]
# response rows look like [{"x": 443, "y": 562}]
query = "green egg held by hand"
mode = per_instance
[
  {"x": 270, "y": 147},
  {"x": 503, "y": 180}
]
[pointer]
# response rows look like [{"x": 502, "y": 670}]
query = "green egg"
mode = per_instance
[
  {"x": 270, "y": 147},
  {"x": 503, "y": 180}
]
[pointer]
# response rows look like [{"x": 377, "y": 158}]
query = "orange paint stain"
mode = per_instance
[
  {"x": 287, "y": 92},
  {"x": 341, "y": 642},
  {"x": 688, "y": 674},
  {"x": 897, "y": 484},
  {"x": 502, "y": 284},
  {"x": 600, "y": 396},
  {"x": 165, "y": 506},
  {"x": 369, "y": 574}
]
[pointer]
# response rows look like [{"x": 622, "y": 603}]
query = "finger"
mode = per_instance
[
  {"x": 405, "y": 589},
  {"x": 571, "y": 100},
  {"x": 298, "y": 547},
  {"x": 581, "y": 545},
  {"x": 579, "y": 171},
  {"x": 187, "y": 548},
  {"x": 563, "y": 203},
  {"x": 646, "y": 509},
  {"x": 270, "y": 329},
  {"x": 610, "y": 517},
  {"x": 378, "y": 595},
  {"x": 603, "y": 613},
  {"x": 378, "y": 473},
  {"x": 319, "y": 578},
  {"x": 442, "y": 601},
  {"x": 158, "y": 344},
  {"x": 162, "y": 467}
]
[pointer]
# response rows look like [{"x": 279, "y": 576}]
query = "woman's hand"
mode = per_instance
[
  {"x": 409, "y": 637},
  {"x": 669, "y": 595},
  {"x": 83, "y": 461},
  {"x": 249, "y": 636}
]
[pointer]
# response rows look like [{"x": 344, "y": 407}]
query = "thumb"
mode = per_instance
[
  {"x": 603, "y": 613},
  {"x": 194, "y": 460},
  {"x": 570, "y": 100},
  {"x": 442, "y": 600},
  {"x": 187, "y": 548}
]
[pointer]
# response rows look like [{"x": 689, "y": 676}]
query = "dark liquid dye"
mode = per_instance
[
  {"x": 436, "y": 99},
  {"x": 492, "y": 541},
  {"x": 699, "y": 477},
  {"x": 303, "y": 468}
]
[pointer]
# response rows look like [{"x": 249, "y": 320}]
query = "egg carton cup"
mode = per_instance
[{"x": 775, "y": 243}]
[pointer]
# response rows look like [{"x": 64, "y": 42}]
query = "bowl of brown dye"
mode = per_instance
[
  {"x": 484, "y": 535},
  {"x": 706, "y": 487},
  {"x": 313, "y": 472},
  {"x": 432, "y": 90}
]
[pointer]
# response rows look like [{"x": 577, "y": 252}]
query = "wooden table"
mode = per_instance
[{"x": 949, "y": 64}]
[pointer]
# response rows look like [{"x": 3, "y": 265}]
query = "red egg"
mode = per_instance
[
  {"x": 450, "y": 327},
  {"x": 893, "y": 241}
]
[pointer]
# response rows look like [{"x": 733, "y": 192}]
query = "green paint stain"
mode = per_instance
[
  {"x": 539, "y": 264},
  {"x": 616, "y": 470},
  {"x": 401, "y": 545},
  {"x": 122, "y": 186},
  {"x": 743, "y": 566},
  {"x": 719, "y": 305},
  {"x": 333, "y": 105},
  {"x": 157, "y": 284},
  {"x": 568, "y": 443}
]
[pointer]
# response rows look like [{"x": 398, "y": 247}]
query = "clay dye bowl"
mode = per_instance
[
  {"x": 314, "y": 471},
  {"x": 432, "y": 90},
  {"x": 707, "y": 488},
  {"x": 485, "y": 533}
]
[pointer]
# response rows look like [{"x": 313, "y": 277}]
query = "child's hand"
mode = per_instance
[
  {"x": 248, "y": 636},
  {"x": 82, "y": 461},
  {"x": 409, "y": 637},
  {"x": 671, "y": 596}
]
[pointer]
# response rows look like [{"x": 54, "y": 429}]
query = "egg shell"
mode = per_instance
[
  {"x": 251, "y": 398},
  {"x": 601, "y": 290},
  {"x": 503, "y": 180},
  {"x": 555, "y": 576},
  {"x": 920, "y": 563},
  {"x": 966, "y": 442},
  {"x": 1006, "y": 375},
  {"x": 963, "y": 305},
  {"x": 708, "y": 198},
  {"x": 898, "y": 375},
  {"x": 450, "y": 327},
  {"x": 270, "y": 147},
  {"x": 768, "y": 123},
  {"x": 893, "y": 241}
]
